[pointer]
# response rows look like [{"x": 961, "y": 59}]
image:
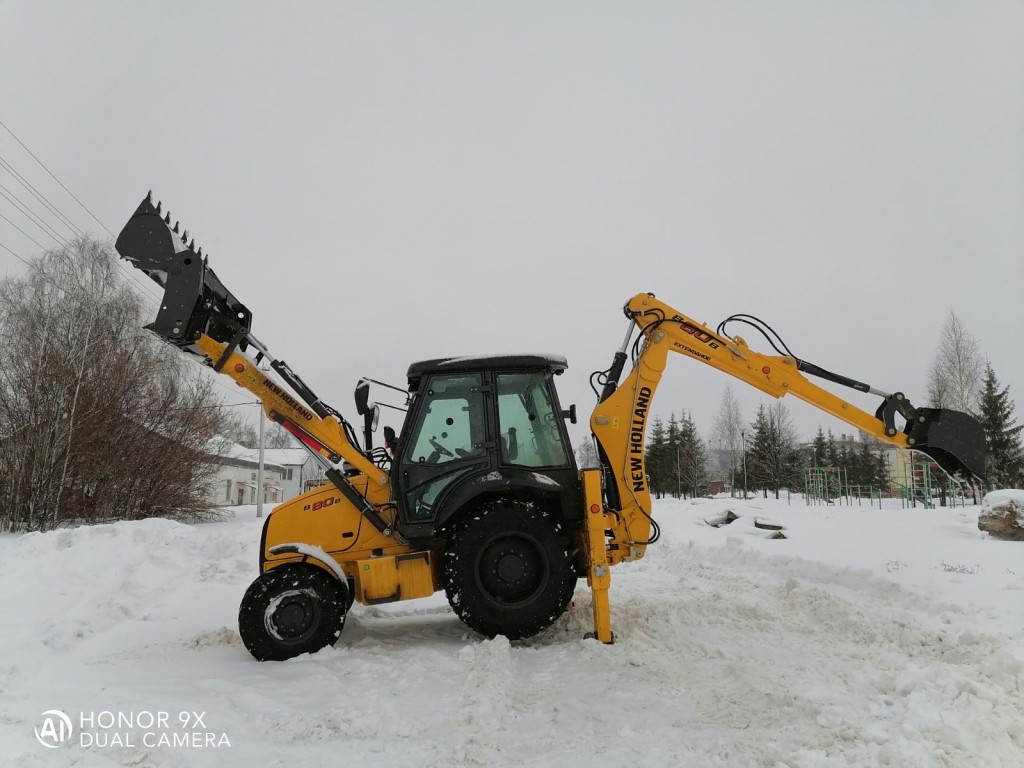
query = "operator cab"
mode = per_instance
[{"x": 481, "y": 427}]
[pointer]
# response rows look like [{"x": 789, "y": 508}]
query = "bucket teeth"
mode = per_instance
[{"x": 194, "y": 301}]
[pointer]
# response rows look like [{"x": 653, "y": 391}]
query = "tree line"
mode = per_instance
[
  {"x": 764, "y": 456},
  {"x": 99, "y": 420}
]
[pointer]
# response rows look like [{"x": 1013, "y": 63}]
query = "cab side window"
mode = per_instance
[
  {"x": 530, "y": 434},
  {"x": 451, "y": 422}
]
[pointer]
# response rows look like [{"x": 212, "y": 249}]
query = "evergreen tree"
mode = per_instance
[
  {"x": 672, "y": 441},
  {"x": 1004, "y": 457},
  {"x": 656, "y": 459},
  {"x": 758, "y": 450},
  {"x": 819, "y": 449},
  {"x": 692, "y": 458},
  {"x": 880, "y": 472},
  {"x": 774, "y": 453},
  {"x": 831, "y": 451},
  {"x": 848, "y": 461},
  {"x": 865, "y": 466}
]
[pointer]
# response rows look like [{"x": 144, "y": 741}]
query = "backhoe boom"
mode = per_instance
[{"x": 954, "y": 440}]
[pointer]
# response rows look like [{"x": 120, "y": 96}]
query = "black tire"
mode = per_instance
[
  {"x": 291, "y": 610},
  {"x": 507, "y": 570}
]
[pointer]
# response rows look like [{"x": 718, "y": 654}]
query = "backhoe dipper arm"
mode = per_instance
[{"x": 954, "y": 440}]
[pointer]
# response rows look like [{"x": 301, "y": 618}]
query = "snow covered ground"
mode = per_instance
[{"x": 866, "y": 637}]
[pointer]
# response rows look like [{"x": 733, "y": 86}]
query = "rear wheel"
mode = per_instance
[
  {"x": 291, "y": 610},
  {"x": 507, "y": 570}
]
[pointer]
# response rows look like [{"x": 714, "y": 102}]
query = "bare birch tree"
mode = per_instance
[
  {"x": 954, "y": 379},
  {"x": 725, "y": 431},
  {"x": 97, "y": 419}
]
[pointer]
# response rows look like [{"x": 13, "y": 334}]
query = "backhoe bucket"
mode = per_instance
[
  {"x": 194, "y": 300},
  {"x": 952, "y": 439}
]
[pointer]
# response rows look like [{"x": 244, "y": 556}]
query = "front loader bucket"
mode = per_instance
[
  {"x": 952, "y": 439},
  {"x": 194, "y": 301}
]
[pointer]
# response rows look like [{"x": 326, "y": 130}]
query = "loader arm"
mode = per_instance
[
  {"x": 954, "y": 440},
  {"x": 199, "y": 316}
]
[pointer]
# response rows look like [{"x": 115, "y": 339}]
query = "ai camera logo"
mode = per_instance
[{"x": 55, "y": 730}]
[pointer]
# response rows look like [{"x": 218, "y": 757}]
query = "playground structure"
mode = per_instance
[
  {"x": 916, "y": 481},
  {"x": 830, "y": 485},
  {"x": 925, "y": 483}
]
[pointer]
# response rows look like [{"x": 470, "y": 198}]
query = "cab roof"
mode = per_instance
[{"x": 554, "y": 363}]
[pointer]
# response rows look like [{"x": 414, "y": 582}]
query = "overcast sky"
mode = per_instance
[{"x": 386, "y": 182}]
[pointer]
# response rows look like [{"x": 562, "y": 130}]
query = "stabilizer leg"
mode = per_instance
[{"x": 599, "y": 576}]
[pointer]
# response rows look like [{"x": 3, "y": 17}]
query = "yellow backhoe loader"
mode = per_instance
[{"x": 480, "y": 494}]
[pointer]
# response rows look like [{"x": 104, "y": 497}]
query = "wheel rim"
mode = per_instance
[
  {"x": 293, "y": 616},
  {"x": 512, "y": 569}
]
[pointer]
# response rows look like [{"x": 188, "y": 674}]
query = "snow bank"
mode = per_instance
[{"x": 847, "y": 643}]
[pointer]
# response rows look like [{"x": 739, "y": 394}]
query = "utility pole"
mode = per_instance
[
  {"x": 679, "y": 473},
  {"x": 259, "y": 470},
  {"x": 743, "y": 440}
]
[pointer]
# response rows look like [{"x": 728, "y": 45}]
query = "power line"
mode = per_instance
[
  {"x": 29, "y": 265},
  {"x": 64, "y": 290},
  {"x": 23, "y": 261},
  {"x": 62, "y": 218},
  {"x": 147, "y": 291},
  {"x": 56, "y": 179},
  {"x": 31, "y": 215},
  {"x": 26, "y": 234}
]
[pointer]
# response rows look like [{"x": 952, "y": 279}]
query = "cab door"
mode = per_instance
[
  {"x": 447, "y": 439},
  {"x": 533, "y": 443}
]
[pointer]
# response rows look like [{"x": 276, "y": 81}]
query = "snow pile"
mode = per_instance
[
  {"x": 1005, "y": 503},
  {"x": 1002, "y": 514},
  {"x": 865, "y": 637}
]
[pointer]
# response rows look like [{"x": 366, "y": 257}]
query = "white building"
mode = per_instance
[
  {"x": 238, "y": 472},
  {"x": 291, "y": 461}
]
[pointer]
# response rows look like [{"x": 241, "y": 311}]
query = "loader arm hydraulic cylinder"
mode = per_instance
[{"x": 323, "y": 436}]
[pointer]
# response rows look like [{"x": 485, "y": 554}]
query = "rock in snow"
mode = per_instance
[{"x": 1002, "y": 514}]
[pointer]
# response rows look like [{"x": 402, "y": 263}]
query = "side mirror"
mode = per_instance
[
  {"x": 375, "y": 410},
  {"x": 362, "y": 397},
  {"x": 570, "y": 414}
]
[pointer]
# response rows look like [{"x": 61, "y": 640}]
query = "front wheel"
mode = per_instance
[
  {"x": 291, "y": 610},
  {"x": 507, "y": 570}
]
